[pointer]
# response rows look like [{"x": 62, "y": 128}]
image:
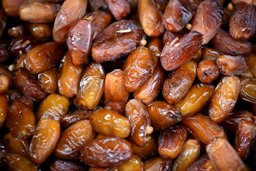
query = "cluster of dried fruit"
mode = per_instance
[{"x": 97, "y": 85}]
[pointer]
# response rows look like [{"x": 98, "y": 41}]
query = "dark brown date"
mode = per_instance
[
  {"x": 41, "y": 32},
  {"x": 106, "y": 152},
  {"x": 163, "y": 115},
  {"x": 180, "y": 51},
  {"x": 3, "y": 109},
  {"x": 17, "y": 31}
]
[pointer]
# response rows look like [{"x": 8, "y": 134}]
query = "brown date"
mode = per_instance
[
  {"x": 110, "y": 123},
  {"x": 60, "y": 165},
  {"x": 176, "y": 15},
  {"x": 210, "y": 54},
  {"x": 69, "y": 78},
  {"x": 163, "y": 115},
  {"x": 155, "y": 45},
  {"x": 157, "y": 163},
  {"x": 11, "y": 7},
  {"x": 242, "y": 24},
  {"x": 73, "y": 138},
  {"x": 203, "y": 128},
  {"x": 138, "y": 68},
  {"x": 150, "y": 89},
  {"x": 247, "y": 91},
  {"x": 53, "y": 106},
  {"x": 223, "y": 42},
  {"x": 3, "y": 109},
  {"x": 134, "y": 164},
  {"x": 4, "y": 83},
  {"x": 207, "y": 71},
  {"x": 20, "y": 120},
  {"x": 44, "y": 140},
  {"x": 69, "y": 13},
  {"x": 207, "y": 19},
  {"x": 15, "y": 145},
  {"x": 17, "y": 31},
  {"x": 49, "y": 80},
  {"x": 251, "y": 62},
  {"x": 223, "y": 156},
  {"x": 180, "y": 51},
  {"x": 41, "y": 32},
  {"x": 201, "y": 164},
  {"x": 139, "y": 119},
  {"x": 232, "y": 65},
  {"x": 171, "y": 141},
  {"x": 106, "y": 152},
  {"x": 97, "y": 4},
  {"x": 119, "y": 8},
  {"x": 45, "y": 12},
  {"x": 118, "y": 107},
  {"x": 251, "y": 2},
  {"x": 150, "y": 18},
  {"x": 177, "y": 85},
  {"x": 91, "y": 86},
  {"x": 224, "y": 98},
  {"x": 43, "y": 57}
]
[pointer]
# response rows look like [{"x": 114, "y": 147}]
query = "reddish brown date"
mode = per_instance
[
  {"x": 223, "y": 42},
  {"x": 242, "y": 24},
  {"x": 59, "y": 165},
  {"x": 207, "y": 71},
  {"x": 180, "y": 51},
  {"x": 177, "y": 85},
  {"x": 138, "y": 116},
  {"x": 11, "y": 7},
  {"x": 119, "y": 8},
  {"x": 203, "y": 128},
  {"x": 157, "y": 163},
  {"x": 163, "y": 115},
  {"x": 201, "y": 164},
  {"x": 106, "y": 152},
  {"x": 171, "y": 141},
  {"x": 208, "y": 19},
  {"x": 69, "y": 13},
  {"x": 210, "y": 54},
  {"x": 29, "y": 86},
  {"x": 138, "y": 68},
  {"x": 43, "y": 57},
  {"x": 146, "y": 151}
]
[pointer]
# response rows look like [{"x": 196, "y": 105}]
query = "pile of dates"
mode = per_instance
[{"x": 128, "y": 85}]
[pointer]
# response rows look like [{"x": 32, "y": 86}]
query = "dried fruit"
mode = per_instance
[{"x": 207, "y": 71}]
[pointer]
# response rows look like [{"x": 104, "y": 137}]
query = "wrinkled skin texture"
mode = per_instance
[
  {"x": 201, "y": 164},
  {"x": 157, "y": 163},
  {"x": 58, "y": 165},
  {"x": 207, "y": 71},
  {"x": 242, "y": 24},
  {"x": 180, "y": 51},
  {"x": 106, "y": 152},
  {"x": 208, "y": 19}
]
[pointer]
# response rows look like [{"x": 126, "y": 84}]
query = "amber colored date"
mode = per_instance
[
  {"x": 15, "y": 145},
  {"x": 73, "y": 138},
  {"x": 196, "y": 99},
  {"x": 157, "y": 163},
  {"x": 203, "y": 128},
  {"x": 163, "y": 115},
  {"x": 44, "y": 140},
  {"x": 69, "y": 77},
  {"x": 223, "y": 156},
  {"x": 138, "y": 68},
  {"x": 106, "y": 152},
  {"x": 180, "y": 51},
  {"x": 150, "y": 18},
  {"x": 134, "y": 163},
  {"x": 4, "y": 83},
  {"x": 110, "y": 123},
  {"x": 155, "y": 45},
  {"x": 224, "y": 98},
  {"x": 247, "y": 91},
  {"x": 177, "y": 85},
  {"x": 251, "y": 62},
  {"x": 49, "y": 80},
  {"x": 43, "y": 57},
  {"x": 147, "y": 151},
  {"x": 91, "y": 86},
  {"x": 171, "y": 141},
  {"x": 207, "y": 71},
  {"x": 69, "y": 13}
]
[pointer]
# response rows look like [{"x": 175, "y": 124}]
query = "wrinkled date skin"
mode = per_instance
[
  {"x": 223, "y": 42},
  {"x": 49, "y": 80},
  {"x": 58, "y": 165},
  {"x": 150, "y": 89},
  {"x": 73, "y": 139},
  {"x": 203, "y": 128},
  {"x": 138, "y": 68},
  {"x": 201, "y": 164},
  {"x": 29, "y": 86},
  {"x": 177, "y": 85},
  {"x": 21, "y": 120},
  {"x": 106, "y": 152},
  {"x": 150, "y": 18},
  {"x": 110, "y": 123},
  {"x": 208, "y": 19},
  {"x": 91, "y": 87},
  {"x": 117, "y": 40},
  {"x": 43, "y": 57},
  {"x": 177, "y": 14},
  {"x": 180, "y": 51},
  {"x": 69, "y": 78},
  {"x": 232, "y": 65},
  {"x": 157, "y": 163},
  {"x": 163, "y": 115},
  {"x": 69, "y": 13},
  {"x": 223, "y": 156},
  {"x": 139, "y": 118},
  {"x": 224, "y": 98},
  {"x": 44, "y": 140},
  {"x": 207, "y": 71},
  {"x": 247, "y": 91},
  {"x": 171, "y": 141},
  {"x": 242, "y": 23},
  {"x": 45, "y": 12},
  {"x": 119, "y": 8}
]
